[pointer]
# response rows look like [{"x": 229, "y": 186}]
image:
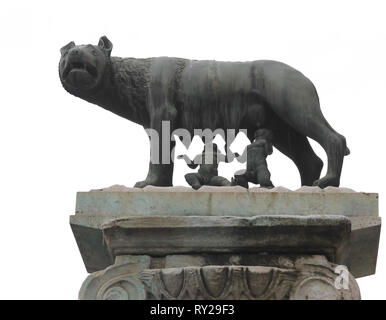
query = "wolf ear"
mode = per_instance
[
  {"x": 106, "y": 45},
  {"x": 67, "y": 47}
]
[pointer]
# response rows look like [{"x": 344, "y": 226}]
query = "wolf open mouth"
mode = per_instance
[{"x": 79, "y": 66}]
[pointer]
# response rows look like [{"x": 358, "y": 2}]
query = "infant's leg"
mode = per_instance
[
  {"x": 240, "y": 180},
  {"x": 193, "y": 180},
  {"x": 251, "y": 176},
  {"x": 264, "y": 176},
  {"x": 219, "y": 181}
]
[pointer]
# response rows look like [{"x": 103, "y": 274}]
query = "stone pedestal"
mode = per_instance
[{"x": 225, "y": 242}]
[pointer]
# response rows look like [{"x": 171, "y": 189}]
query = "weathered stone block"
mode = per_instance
[
  {"x": 220, "y": 201},
  {"x": 160, "y": 236}
]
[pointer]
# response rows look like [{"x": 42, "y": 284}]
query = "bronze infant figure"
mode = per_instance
[
  {"x": 257, "y": 169},
  {"x": 207, "y": 174},
  {"x": 196, "y": 94}
]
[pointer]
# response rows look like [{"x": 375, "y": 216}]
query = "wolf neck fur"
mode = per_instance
[{"x": 123, "y": 89}]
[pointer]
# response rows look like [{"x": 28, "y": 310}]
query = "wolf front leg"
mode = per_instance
[{"x": 161, "y": 162}]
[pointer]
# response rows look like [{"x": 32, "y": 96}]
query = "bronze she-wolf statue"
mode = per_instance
[{"x": 194, "y": 94}]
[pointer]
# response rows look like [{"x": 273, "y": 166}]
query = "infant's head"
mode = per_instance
[{"x": 264, "y": 134}]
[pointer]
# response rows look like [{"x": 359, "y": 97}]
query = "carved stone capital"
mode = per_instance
[
  {"x": 117, "y": 282},
  {"x": 310, "y": 277}
]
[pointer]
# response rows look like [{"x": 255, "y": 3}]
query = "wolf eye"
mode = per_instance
[{"x": 94, "y": 52}]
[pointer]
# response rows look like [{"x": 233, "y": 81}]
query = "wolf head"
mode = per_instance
[{"x": 82, "y": 67}]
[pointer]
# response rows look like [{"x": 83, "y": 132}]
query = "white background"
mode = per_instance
[{"x": 53, "y": 144}]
